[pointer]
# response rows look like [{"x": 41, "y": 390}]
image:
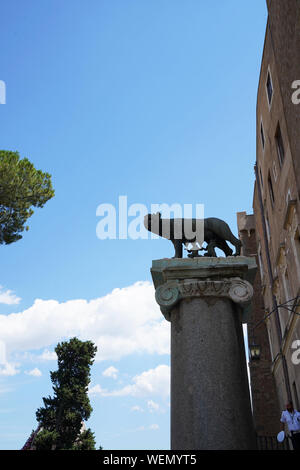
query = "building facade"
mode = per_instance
[
  {"x": 265, "y": 406},
  {"x": 276, "y": 203}
]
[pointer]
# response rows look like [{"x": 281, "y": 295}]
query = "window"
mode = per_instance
[
  {"x": 274, "y": 171},
  {"x": 261, "y": 178},
  {"x": 268, "y": 227},
  {"x": 262, "y": 134},
  {"x": 261, "y": 268},
  {"x": 287, "y": 286},
  {"x": 282, "y": 314},
  {"x": 271, "y": 341},
  {"x": 271, "y": 191},
  {"x": 269, "y": 86},
  {"x": 279, "y": 145}
]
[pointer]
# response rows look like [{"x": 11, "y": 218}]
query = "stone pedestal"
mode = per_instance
[{"x": 207, "y": 300}]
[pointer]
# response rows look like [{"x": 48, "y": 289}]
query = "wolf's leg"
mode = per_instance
[
  {"x": 238, "y": 247},
  {"x": 223, "y": 231},
  {"x": 211, "y": 249},
  {"x": 236, "y": 243},
  {"x": 178, "y": 248},
  {"x": 224, "y": 247}
]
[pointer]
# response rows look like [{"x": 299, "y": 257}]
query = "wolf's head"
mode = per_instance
[{"x": 152, "y": 222}]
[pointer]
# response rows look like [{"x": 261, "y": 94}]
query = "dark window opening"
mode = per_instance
[
  {"x": 279, "y": 145},
  {"x": 261, "y": 178},
  {"x": 271, "y": 191},
  {"x": 262, "y": 135},
  {"x": 269, "y": 88}
]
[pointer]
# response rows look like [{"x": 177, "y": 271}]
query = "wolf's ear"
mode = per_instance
[{"x": 159, "y": 215}]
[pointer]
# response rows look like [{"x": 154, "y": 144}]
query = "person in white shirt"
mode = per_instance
[{"x": 291, "y": 418}]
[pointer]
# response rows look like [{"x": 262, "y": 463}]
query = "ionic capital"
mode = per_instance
[{"x": 171, "y": 292}]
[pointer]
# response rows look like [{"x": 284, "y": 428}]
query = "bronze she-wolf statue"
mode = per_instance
[{"x": 215, "y": 232}]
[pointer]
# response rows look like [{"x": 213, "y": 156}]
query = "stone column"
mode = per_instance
[{"x": 207, "y": 300}]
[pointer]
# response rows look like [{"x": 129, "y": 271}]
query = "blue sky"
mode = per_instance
[{"x": 154, "y": 100}]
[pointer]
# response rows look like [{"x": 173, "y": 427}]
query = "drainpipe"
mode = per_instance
[{"x": 271, "y": 279}]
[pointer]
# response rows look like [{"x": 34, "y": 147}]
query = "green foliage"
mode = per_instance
[
  {"x": 63, "y": 414},
  {"x": 86, "y": 441},
  {"x": 45, "y": 440},
  {"x": 22, "y": 187}
]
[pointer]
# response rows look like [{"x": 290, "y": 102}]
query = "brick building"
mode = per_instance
[
  {"x": 276, "y": 203},
  {"x": 266, "y": 412}
]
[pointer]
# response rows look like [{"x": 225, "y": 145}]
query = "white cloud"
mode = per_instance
[
  {"x": 151, "y": 382},
  {"x": 137, "y": 408},
  {"x": 154, "y": 427},
  {"x": 2, "y": 352},
  {"x": 126, "y": 321},
  {"x": 48, "y": 355},
  {"x": 111, "y": 372},
  {"x": 97, "y": 390},
  {"x": 8, "y": 297},
  {"x": 152, "y": 406},
  {"x": 34, "y": 372},
  {"x": 7, "y": 368}
]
